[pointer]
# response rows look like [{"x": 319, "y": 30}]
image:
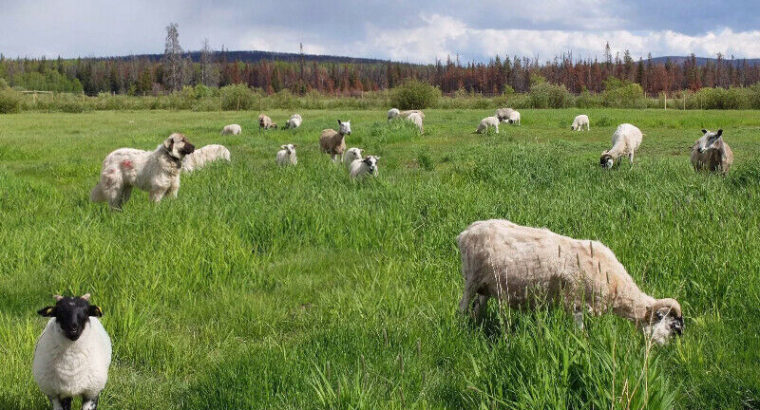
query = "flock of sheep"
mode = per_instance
[{"x": 515, "y": 264}]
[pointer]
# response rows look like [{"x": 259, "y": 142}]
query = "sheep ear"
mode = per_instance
[
  {"x": 720, "y": 132},
  {"x": 47, "y": 311},
  {"x": 338, "y": 122},
  {"x": 295, "y": 145},
  {"x": 57, "y": 298},
  {"x": 86, "y": 297},
  {"x": 704, "y": 131},
  {"x": 95, "y": 311},
  {"x": 284, "y": 146},
  {"x": 377, "y": 158}
]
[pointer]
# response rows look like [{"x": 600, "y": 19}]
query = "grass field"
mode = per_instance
[{"x": 262, "y": 287}]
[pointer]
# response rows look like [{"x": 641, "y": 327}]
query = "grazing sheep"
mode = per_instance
[
  {"x": 625, "y": 141},
  {"x": 407, "y": 113},
  {"x": 514, "y": 118},
  {"x": 487, "y": 122},
  {"x": 287, "y": 155},
  {"x": 522, "y": 265},
  {"x": 351, "y": 155},
  {"x": 360, "y": 168},
  {"x": 265, "y": 122},
  {"x": 154, "y": 171},
  {"x": 232, "y": 129},
  {"x": 204, "y": 155},
  {"x": 334, "y": 142},
  {"x": 711, "y": 153},
  {"x": 294, "y": 121},
  {"x": 503, "y": 114},
  {"x": 73, "y": 353},
  {"x": 416, "y": 119},
  {"x": 393, "y": 113},
  {"x": 579, "y": 122}
]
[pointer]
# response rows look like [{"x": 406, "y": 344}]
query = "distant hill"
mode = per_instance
[
  {"x": 702, "y": 61},
  {"x": 255, "y": 56}
]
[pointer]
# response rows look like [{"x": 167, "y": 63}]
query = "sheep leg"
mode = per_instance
[
  {"x": 578, "y": 319},
  {"x": 466, "y": 301},
  {"x": 480, "y": 306},
  {"x": 630, "y": 158},
  {"x": 60, "y": 404},
  {"x": 90, "y": 404}
]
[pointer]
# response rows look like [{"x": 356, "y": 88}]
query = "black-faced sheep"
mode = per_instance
[{"x": 625, "y": 141}]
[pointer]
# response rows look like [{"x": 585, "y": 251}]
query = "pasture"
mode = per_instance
[{"x": 268, "y": 287}]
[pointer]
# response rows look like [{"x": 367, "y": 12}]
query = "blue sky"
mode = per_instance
[{"x": 414, "y": 31}]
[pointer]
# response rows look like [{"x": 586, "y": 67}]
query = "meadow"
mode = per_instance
[{"x": 267, "y": 287}]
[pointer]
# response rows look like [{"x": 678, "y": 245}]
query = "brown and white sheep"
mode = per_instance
[
  {"x": 521, "y": 266},
  {"x": 711, "y": 153},
  {"x": 334, "y": 142},
  {"x": 265, "y": 122}
]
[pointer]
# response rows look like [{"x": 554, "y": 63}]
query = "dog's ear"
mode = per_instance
[
  {"x": 95, "y": 311},
  {"x": 47, "y": 311},
  {"x": 169, "y": 143}
]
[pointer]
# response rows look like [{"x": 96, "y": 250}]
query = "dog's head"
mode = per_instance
[
  {"x": 71, "y": 314},
  {"x": 178, "y": 146}
]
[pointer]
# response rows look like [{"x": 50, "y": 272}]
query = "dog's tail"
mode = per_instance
[{"x": 97, "y": 194}]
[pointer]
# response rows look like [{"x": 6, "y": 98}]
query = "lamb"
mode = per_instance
[
  {"x": 360, "y": 168},
  {"x": 294, "y": 121},
  {"x": 73, "y": 353},
  {"x": 232, "y": 129},
  {"x": 287, "y": 155},
  {"x": 625, "y": 141},
  {"x": 514, "y": 118},
  {"x": 351, "y": 155},
  {"x": 204, "y": 155},
  {"x": 393, "y": 113},
  {"x": 334, "y": 142},
  {"x": 522, "y": 265},
  {"x": 711, "y": 153},
  {"x": 265, "y": 122},
  {"x": 416, "y": 119},
  {"x": 487, "y": 122},
  {"x": 503, "y": 113},
  {"x": 579, "y": 122}
]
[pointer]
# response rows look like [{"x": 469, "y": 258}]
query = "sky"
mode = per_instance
[{"x": 418, "y": 31}]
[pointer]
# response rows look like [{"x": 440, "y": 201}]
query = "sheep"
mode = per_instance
[
  {"x": 204, "y": 155},
  {"x": 360, "y": 168},
  {"x": 73, "y": 353},
  {"x": 711, "y": 153},
  {"x": 232, "y": 129},
  {"x": 487, "y": 122},
  {"x": 514, "y": 118},
  {"x": 625, "y": 141},
  {"x": 294, "y": 121},
  {"x": 579, "y": 122},
  {"x": 265, "y": 122},
  {"x": 287, "y": 155},
  {"x": 352, "y": 154},
  {"x": 503, "y": 113},
  {"x": 393, "y": 113},
  {"x": 416, "y": 119},
  {"x": 334, "y": 142},
  {"x": 523, "y": 265}
]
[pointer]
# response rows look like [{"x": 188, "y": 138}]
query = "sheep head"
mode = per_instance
[
  {"x": 663, "y": 320},
  {"x": 606, "y": 160},
  {"x": 345, "y": 127},
  {"x": 709, "y": 140},
  {"x": 71, "y": 314}
]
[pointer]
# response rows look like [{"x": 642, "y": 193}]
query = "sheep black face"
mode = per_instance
[
  {"x": 371, "y": 163},
  {"x": 709, "y": 140},
  {"x": 606, "y": 161},
  {"x": 71, "y": 314}
]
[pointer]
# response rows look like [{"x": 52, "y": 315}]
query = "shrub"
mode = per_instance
[
  {"x": 414, "y": 94},
  {"x": 10, "y": 101},
  {"x": 237, "y": 97},
  {"x": 547, "y": 95},
  {"x": 622, "y": 94}
]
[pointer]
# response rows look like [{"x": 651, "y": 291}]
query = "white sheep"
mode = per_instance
[
  {"x": 287, "y": 155},
  {"x": 503, "y": 114},
  {"x": 351, "y": 155},
  {"x": 73, "y": 353},
  {"x": 625, "y": 141},
  {"x": 711, "y": 153},
  {"x": 265, "y": 122},
  {"x": 514, "y": 118},
  {"x": 232, "y": 129},
  {"x": 579, "y": 122},
  {"x": 334, "y": 142},
  {"x": 521, "y": 265},
  {"x": 416, "y": 119},
  {"x": 360, "y": 168},
  {"x": 487, "y": 122},
  {"x": 205, "y": 155},
  {"x": 294, "y": 121},
  {"x": 393, "y": 113}
]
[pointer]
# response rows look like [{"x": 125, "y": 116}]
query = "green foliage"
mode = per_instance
[
  {"x": 546, "y": 95},
  {"x": 414, "y": 94},
  {"x": 622, "y": 94},
  {"x": 237, "y": 97},
  {"x": 10, "y": 101}
]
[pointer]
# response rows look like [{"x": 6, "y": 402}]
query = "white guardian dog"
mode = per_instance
[{"x": 154, "y": 171}]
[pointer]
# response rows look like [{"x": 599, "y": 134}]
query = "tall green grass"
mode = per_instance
[{"x": 296, "y": 288}]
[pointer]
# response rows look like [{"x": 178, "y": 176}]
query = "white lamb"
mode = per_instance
[
  {"x": 487, "y": 122},
  {"x": 514, "y": 118},
  {"x": 205, "y": 155},
  {"x": 361, "y": 168},
  {"x": 503, "y": 113},
  {"x": 579, "y": 122},
  {"x": 351, "y": 155},
  {"x": 287, "y": 155},
  {"x": 393, "y": 113},
  {"x": 625, "y": 141},
  {"x": 294, "y": 121},
  {"x": 416, "y": 119},
  {"x": 72, "y": 354},
  {"x": 521, "y": 265},
  {"x": 232, "y": 129}
]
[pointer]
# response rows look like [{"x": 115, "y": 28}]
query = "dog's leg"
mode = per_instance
[
  {"x": 126, "y": 193},
  {"x": 157, "y": 195},
  {"x": 174, "y": 188}
]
